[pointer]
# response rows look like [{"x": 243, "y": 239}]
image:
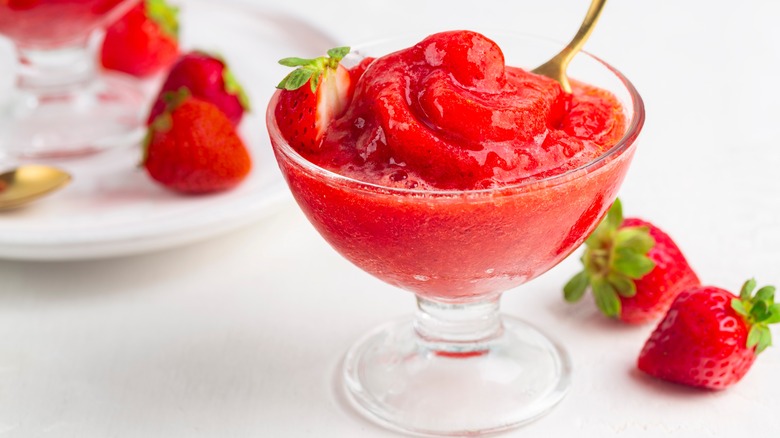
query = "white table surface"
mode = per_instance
[{"x": 242, "y": 335}]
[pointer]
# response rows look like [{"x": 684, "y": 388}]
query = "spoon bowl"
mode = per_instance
[{"x": 27, "y": 183}]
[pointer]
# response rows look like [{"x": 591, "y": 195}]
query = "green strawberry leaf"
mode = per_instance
[
  {"x": 315, "y": 80},
  {"x": 295, "y": 62},
  {"x": 165, "y": 15},
  {"x": 765, "y": 340},
  {"x": 576, "y": 287},
  {"x": 615, "y": 215},
  {"x": 753, "y": 337},
  {"x": 774, "y": 314},
  {"x": 233, "y": 87},
  {"x": 338, "y": 53},
  {"x": 766, "y": 293},
  {"x": 147, "y": 141},
  {"x": 759, "y": 337},
  {"x": 603, "y": 234},
  {"x": 313, "y": 69},
  {"x": 636, "y": 239},
  {"x": 758, "y": 310},
  {"x": 747, "y": 289},
  {"x": 596, "y": 238},
  {"x": 624, "y": 286},
  {"x": 739, "y": 307},
  {"x": 295, "y": 79},
  {"x": 163, "y": 122},
  {"x": 606, "y": 297},
  {"x": 174, "y": 98},
  {"x": 631, "y": 263}
]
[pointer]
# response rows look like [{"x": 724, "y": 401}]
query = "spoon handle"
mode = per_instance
[
  {"x": 586, "y": 29},
  {"x": 556, "y": 67}
]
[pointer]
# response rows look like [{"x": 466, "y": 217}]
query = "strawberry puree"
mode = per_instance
[
  {"x": 52, "y": 23},
  {"x": 448, "y": 114},
  {"x": 446, "y": 152}
]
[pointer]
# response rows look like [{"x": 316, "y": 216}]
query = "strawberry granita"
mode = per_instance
[
  {"x": 453, "y": 175},
  {"x": 447, "y": 113}
]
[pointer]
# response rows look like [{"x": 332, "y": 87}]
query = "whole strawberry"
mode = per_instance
[
  {"x": 710, "y": 338},
  {"x": 193, "y": 148},
  {"x": 634, "y": 269},
  {"x": 144, "y": 41},
  {"x": 208, "y": 78},
  {"x": 303, "y": 112}
]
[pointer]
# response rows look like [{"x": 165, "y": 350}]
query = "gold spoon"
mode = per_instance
[
  {"x": 28, "y": 183},
  {"x": 556, "y": 67}
]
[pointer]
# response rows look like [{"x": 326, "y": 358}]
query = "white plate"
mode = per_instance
[{"x": 112, "y": 208}]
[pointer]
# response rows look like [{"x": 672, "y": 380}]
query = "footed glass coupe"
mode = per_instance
[{"x": 459, "y": 366}]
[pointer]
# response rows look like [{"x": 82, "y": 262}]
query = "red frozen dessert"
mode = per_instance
[
  {"x": 448, "y": 114},
  {"x": 46, "y": 24},
  {"x": 453, "y": 175}
]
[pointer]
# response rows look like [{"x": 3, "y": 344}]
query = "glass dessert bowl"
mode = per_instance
[
  {"x": 459, "y": 366},
  {"x": 61, "y": 106}
]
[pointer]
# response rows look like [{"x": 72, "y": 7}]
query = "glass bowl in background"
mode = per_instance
[{"x": 60, "y": 106}]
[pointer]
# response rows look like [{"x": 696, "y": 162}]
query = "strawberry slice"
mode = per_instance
[
  {"x": 303, "y": 113},
  {"x": 709, "y": 337},
  {"x": 634, "y": 269}
]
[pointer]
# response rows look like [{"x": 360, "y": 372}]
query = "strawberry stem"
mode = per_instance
[
  {"x": 310, "y": 70},
  {"x": 614, "y": 257},
  {"x": 174, "y": 98},
  {"x": 232, "y": 86},
  {"x": 758, "y": 310},
  {"x": 165, "y": 15}
]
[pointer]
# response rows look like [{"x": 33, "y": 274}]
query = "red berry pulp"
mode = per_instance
[
  {"x": 453, "y": 175},
  {"x": 47, "y": 24},
  {"x": 447, "y": 113}
]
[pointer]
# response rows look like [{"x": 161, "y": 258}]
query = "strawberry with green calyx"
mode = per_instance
[
  {"x": 710, "y": 338},
  {"x": 758, "y": 311},
  {"x": 304, "y": 112},
  {"x": 633, "y": 268},
  {"x": 143, "y": 41},
  {"x": 311, "y": 70},
  {"x": 193, "y": 148},
  {"x": 207, "y": 77}
]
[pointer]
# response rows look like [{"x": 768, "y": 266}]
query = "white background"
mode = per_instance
[{"x": 241, "y": 336}]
